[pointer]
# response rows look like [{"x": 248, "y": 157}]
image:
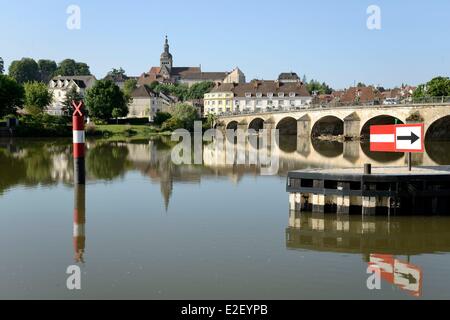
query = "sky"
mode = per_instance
[{"x": 327, "y": 40}]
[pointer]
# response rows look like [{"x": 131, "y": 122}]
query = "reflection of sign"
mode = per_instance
[
  {"x": 397, "y": 138},
  {"x": 406, "y": 276}
]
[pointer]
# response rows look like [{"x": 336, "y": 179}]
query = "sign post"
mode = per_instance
[{"x": 398, "y": 138}]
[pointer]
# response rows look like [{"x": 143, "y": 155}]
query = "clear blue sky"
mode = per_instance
[{"x": 324, "y": 39}]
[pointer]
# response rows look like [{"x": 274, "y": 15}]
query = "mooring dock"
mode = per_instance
[{"x": 381, "y": 190}]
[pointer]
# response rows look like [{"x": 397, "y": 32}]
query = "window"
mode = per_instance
[
  {"x": 281, "y": 102},
  {"x": 248, "y": 95},
  {"x": 258, "y": 102},
  {"x": 292, "y": 103},
  {"x": 270, "y": 95},
  {"x": 292, "y": 94},
  {"x": 258, "y": 94},
  {"x": 281, "y": 94},
  {"x": 248, "y": 102},
  {"x": 220, "y": 102},
  {"x": 269, "y": 102}
]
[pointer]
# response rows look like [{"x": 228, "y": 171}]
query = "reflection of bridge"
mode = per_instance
[{"x": 351, "y": 121}]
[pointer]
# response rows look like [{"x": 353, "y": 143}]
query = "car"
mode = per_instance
[{"x": 390, "y": 101}]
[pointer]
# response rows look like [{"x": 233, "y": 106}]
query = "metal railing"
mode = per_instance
[{"x": 335, "y": 104}]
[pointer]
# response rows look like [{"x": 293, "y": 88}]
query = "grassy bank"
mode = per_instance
[{"x": 123, "y": 131}]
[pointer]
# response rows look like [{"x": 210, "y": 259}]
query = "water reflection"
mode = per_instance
[
  {"x": 378, "y": 239},
  {"x": 367, "y": 235},
  {"x": 49, "y": 162}
]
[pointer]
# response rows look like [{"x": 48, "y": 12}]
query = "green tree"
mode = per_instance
[
  {"x": 11, "y": 95},
  {"x": 161, "y": 117},
  {"x": 173, "y": 124},
  {"x": 103, "y": 98},
  {"x": 319, "y": 88},
  {"x": 72, "y": 95},
  {"x": 361, "y": 85},
  {"x": 186, "y": 115},
  {"x": 70, "y": 67},
  {"x": 210, "y": 121},
  {"x": 128, "y": 87},
  {"x": 47, "y": 69},
  {"x": 439, "y": 87},
  {"x": 198, "y": 90},
  {"x": 37, "y": 97},
  {"x": 2, "y": 65},
  {"x": 116, "y": 114},
  {"x": 436, "y": 87},
  {"x": 24, "y": 70}
]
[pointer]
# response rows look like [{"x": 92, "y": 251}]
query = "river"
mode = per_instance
[{"x": 145, "y": 228}]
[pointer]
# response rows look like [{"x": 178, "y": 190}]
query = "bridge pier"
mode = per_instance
[
  {"x": 243, "y": 127},
  {"x": 304, "y": 126},
  {"x": 352, "y": 126}
]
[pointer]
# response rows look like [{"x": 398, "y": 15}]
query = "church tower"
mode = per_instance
[{"x": 166, "y": 57}]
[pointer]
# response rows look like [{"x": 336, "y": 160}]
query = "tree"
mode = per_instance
[
  {"x": 116, "y": 113},
  {"x": 129, "y": 86},
  {"x": 47, "y": 69},
  {"x": 24, "y": 70},
  {"x": 436, "y": 87},
  {"x": 439, "y": 87},
  {"x": 185, "y": 114},
  {"x": 11, "y": 95},
  {"x": 70, "y": 67},
  {"x": 103, "y": 98},
  {"x": 361, "y": 85},
  {"x": 198, "y": 90},
  {"x": 2, "y": 65},
  {"x": 117, "y": 72},
  {"x": 161, "y": 117},
  {"x": 319, "y": 88},
  {"x": 71, "y": 95},
  {"x": 210, "y": 120},
  {"x": 37, "y": 97}
]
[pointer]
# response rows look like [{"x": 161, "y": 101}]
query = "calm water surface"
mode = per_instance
[{"x": 154, "y": 230}]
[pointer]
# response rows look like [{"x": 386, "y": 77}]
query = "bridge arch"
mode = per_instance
[
  {"x": 232, "y": 125},
  {"x": 256, "y": 124},
  {"x": 287, "y": 126},
  {"x": 439, "y": 130},
  {"x": 378, "y": 120},
  {"x": 328, "y": 125}
]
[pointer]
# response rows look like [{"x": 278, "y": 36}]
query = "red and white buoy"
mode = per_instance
[
  {"x": 79, "y": 214},
  {"x": 78, "y": 143}
]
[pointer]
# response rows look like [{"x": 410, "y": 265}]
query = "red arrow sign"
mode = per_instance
[{"x": 397, "y": 138}]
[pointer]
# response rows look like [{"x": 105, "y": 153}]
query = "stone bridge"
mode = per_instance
[{"x": 351, "y": 122}]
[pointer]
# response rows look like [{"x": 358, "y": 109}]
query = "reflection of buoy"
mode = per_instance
[
  {"x": 78, "y": 143},
  {"x": 79, "y": 222}
]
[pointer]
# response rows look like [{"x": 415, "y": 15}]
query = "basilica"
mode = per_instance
[{"x": 168, "y": 73}]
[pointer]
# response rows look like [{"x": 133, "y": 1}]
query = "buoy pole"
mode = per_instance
[{"x": 79, "y": 213}]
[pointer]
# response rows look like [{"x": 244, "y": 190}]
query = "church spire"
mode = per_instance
[{"x": 166, "y": 57}]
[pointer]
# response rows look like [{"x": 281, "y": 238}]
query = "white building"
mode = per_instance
[
  {"x": 146, "y": 103},
  {"x": 61, "y": 85},
  {"x": 256, "y": 96}
]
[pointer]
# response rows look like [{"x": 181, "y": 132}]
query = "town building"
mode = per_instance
[
  {"x": 61, "y": 85},
  {"x": 361, "y": 96},
  {"x": 256, "y": 96},
  {"x": 168, "y": 73},
  {"x": 288, "y": 77},
  {"x": 146, "y": 103}
]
